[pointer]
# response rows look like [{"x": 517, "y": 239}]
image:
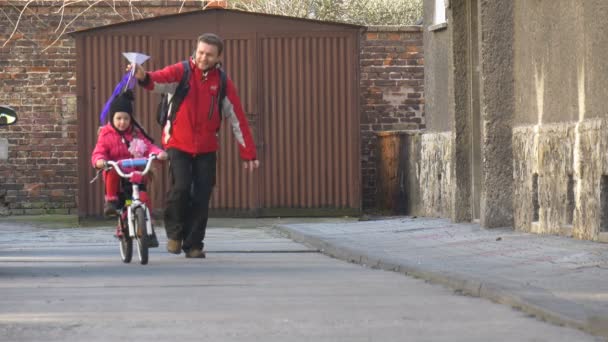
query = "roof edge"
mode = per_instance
[{"x": 87, "y": 30}]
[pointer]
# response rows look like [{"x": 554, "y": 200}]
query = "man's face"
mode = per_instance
[{"x": 206, "y": 56}]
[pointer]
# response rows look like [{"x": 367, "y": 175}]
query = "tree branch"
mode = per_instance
[
  {"x": 17, "y": 23},
  {"x": 70, "y": 23}
]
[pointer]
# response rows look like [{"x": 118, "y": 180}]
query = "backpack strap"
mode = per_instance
[
  {"x": 181, "y": 91},
  {"x": 173, "y": 101},
  {"x": 183, "y": 83},
  {"x": 222, "y": 95}
]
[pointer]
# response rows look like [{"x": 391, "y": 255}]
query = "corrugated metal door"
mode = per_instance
[
  {"x": 300, "y": 93},
  {"x": 100, "y": 67},
  {"x": 235, "y": 190},
  {"x": 309, "y": 127}
]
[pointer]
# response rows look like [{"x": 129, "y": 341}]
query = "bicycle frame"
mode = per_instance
[{"x": 135, "y": 200}]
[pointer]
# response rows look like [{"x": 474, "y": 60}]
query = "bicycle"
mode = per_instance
[{"x": 134, "y": 219}]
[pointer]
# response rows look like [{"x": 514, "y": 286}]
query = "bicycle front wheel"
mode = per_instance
[{"x": 142, "y": 235}]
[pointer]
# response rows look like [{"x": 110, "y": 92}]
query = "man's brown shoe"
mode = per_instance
[
  {"x": 195, "y": 253},
  {"x": 174, "y": 246}
]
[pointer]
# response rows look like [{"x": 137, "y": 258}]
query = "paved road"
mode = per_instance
[{"x": 69, "y": 285}]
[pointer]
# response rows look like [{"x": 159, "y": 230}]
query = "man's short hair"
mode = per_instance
[{"x": 212, "y": 39}]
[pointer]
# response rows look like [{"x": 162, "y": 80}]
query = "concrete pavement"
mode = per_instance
[{"x": 561, "y": 280}]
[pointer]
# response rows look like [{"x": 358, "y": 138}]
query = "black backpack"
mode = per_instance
[{"x": 168, "y": 107}]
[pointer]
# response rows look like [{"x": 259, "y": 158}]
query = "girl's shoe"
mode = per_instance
[
  {"x": 109, "y": 208},
  {"x": 152, "y": 241},
  {"x": 118, "y": 233}
]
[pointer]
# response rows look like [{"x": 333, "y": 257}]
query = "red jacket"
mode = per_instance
[
  {"x": 111, "y": 147},
  {"x": 197, "y": 120}
]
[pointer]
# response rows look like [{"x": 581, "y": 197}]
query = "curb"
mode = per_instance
[{"x": 535, "y": 301}]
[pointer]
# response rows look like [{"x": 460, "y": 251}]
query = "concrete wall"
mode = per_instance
[
  {"x": 433, "y": 195},
  {"x": 560, "y": 69},
  {"x": 436, "y": 62},
  {"x": 469, "y": 86},
  {"x": 549, "y": 53},
  {"x": 541, "y": 99},
  {"x": 561, "y": 82},
  {"x": 497, "y": 106},
  {"x": 464, "y": 104}
]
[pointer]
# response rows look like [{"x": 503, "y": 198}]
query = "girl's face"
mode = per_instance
[{"x": 122, "y": 121}]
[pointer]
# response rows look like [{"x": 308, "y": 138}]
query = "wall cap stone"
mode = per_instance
[
  {"x": 394, "y": 28},
  {"x": 438, "y": 27},
  {"x": 126, "y": 3},
  {"x": 399, "y": 132}
]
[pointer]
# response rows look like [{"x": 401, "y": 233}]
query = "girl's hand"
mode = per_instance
[
  {"x": 163, "y": 156},
  {"x": 100, "y": 163},
  {"x": 140, "y": 73}
]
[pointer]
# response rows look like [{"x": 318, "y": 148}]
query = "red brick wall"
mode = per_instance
[
  {"x": 40, "y": 174},
  {"x": 392, "y": 92}
]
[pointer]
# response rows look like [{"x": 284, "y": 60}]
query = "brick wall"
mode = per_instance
[
  {"x": 40, "y": 174},
  {"x": 392, "y": 92}
]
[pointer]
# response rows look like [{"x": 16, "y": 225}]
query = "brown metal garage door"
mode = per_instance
[{"x": 299, "y": 89}]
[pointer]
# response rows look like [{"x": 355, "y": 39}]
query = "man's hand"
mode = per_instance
[
  {"x": 251, "y": 164},
  {"x": 140, "y": 73}
]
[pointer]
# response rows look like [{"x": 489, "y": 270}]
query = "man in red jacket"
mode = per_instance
[{"x": 192, "y": 142}]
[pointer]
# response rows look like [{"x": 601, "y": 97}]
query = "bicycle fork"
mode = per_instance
[{"x": 136, "y": 203}]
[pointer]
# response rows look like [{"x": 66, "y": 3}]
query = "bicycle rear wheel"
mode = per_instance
[{"x": 142, "y": 235}]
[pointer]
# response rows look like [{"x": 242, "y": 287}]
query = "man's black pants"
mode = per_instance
[{"x": 192, "y": 178}]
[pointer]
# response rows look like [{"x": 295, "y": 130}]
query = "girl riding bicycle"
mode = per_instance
[{"x": 121, "y": 138}]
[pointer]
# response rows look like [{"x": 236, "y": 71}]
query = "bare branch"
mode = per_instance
[
  {"x": 70, "y": 23},
  {"x": 7, "y": 16},
  {"x": 361, "y": 12},
  {"x": 12, "y": 22},
  {"x": 17, "y": 23},
  {"x": 43, "y": 22},
  {"x": 131, "y": 10},
  {"x": 138, "y": 11},
  {"x": 62, "y": 10},
  {"x": 113, "y": 6}
]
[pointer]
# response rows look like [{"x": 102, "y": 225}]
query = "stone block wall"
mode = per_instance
[
  {"x": 435, "y": 175},
  {"x": 419, "y": 173},
  {"x": 560, "y": 174}
]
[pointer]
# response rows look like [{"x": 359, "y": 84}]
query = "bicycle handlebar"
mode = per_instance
[{"x": 136, "y": 162}]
